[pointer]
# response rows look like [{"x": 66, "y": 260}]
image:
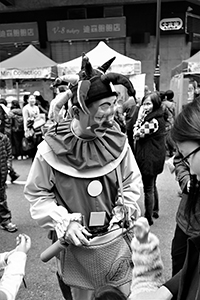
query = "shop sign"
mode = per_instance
[
  {"x": 86, "y": 29},
  {"x": 26, "y": 73},
  {"x": 171, "y": 24},
  {"x": 18, "y": 32}
]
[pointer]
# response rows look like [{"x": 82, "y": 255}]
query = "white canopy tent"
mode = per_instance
[
  {"x": 28, "y": 64},
  {"x": 98, "y": 56}
]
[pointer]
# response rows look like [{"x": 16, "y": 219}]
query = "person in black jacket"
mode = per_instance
[
  {"x": 5, "y": 164},
  {"x": 183, "y": 230},
  {"x": 185, "y": 285},
  {"x": 17, "y": 129},
  {"x": 149, "y": 150},
  {"x": 130, "y": 109},
  {"x": 5, "y": 128}
]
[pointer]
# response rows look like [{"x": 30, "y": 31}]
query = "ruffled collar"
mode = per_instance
[{"x": 84, "y": 154}]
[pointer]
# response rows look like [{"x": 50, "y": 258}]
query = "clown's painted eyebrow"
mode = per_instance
[
  {"x": 108, "y": 103},
  {"x": 105, "y": 103}
]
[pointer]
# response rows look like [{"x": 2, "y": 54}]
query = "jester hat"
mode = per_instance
[{"x": 90, "y": 85}]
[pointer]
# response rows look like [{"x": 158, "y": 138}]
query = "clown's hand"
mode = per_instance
[
  {"x": 141, "y": 230},
  {"x": 77, "y": 234}
]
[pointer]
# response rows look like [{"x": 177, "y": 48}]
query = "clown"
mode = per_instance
[{"x": 72, "y": 186}]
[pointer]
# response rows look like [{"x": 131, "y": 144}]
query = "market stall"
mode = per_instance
[
  {"x": 30, "y": 69},
  {"x": 181, "y": 76}
]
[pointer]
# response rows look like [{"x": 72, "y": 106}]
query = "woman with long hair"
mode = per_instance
[
  {"x": 185, "y": 284},
  {"x": 149, "y": 150},
  {"x": 186, "y": 134}
]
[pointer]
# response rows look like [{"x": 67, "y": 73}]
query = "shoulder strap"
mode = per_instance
[
  {"x": 5, "y": 108},
  {"x": 119, "y": 178}
]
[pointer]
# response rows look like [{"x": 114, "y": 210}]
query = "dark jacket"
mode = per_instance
[
  {"x": 17, "y": 120},
  {"x": 181, "y": 283},
  {"x": 182, "y": 171},
  {"x": 150, "y": 150},
  {"x": 130, "y": 108},
  {"x": 5, "y": 158}
]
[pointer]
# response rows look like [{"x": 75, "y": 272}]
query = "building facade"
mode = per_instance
[{"x": 63, "y": 29}]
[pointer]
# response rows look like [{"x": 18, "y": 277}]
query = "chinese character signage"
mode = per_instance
[
  {"x": 86, "y": 29},
  {"x": 18, "y": 32},
  {"x": 171, "y": 24}
]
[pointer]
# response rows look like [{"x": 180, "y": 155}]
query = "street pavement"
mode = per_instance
[{"x": 40, "y": 277}]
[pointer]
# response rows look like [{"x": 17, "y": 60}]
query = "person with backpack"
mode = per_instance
[
  {"x": 168, "y": 106},
  {"x": 17, "y": 127}
]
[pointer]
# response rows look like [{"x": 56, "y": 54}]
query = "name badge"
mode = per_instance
[{"x": 97, "y": 218}]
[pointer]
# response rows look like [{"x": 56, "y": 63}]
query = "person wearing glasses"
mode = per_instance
[
  {"x": 183, "y": 229},
  {"x": 185, "y": 284}
]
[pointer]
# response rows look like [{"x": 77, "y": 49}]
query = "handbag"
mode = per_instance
[
  {"x": 107, "y": 260},
  {"x": 28, "y": 143},
  {"x": 39, "y": 121}
]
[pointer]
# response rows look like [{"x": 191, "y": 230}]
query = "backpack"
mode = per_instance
[
  {"x": 168, "y": 116},
  {"x": 18, "y": 123}
]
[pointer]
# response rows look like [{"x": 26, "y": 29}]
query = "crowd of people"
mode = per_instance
[
  {"x": 16, "y": 120},
  {"x": 16, "y": 123},
  {"x": 86, "y": 176}
]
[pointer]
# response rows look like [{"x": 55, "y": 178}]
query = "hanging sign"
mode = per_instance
[
  {"x": 86, "y": 29},
  {"x": 26, "y": 73},
  {"x": 171, "y": 24},
  {"x": 18, "y": 32}
]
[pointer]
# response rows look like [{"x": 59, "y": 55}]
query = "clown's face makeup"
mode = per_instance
[
  {"x": 102, "y": 113},
  {"x": 101, "y": 117}
]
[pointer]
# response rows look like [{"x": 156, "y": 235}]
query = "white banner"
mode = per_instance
[
  {"x": 26, "y": 73},
  {"x": 138, "y": 82},
  {"x": 194, "y": 67}
]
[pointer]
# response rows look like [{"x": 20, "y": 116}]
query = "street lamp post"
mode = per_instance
[{"x": 157, "y": 59}]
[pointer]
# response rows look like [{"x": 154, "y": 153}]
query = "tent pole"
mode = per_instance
[
  {"x": 17, "y": 88},
  {"x": 157, "y": 60}
]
